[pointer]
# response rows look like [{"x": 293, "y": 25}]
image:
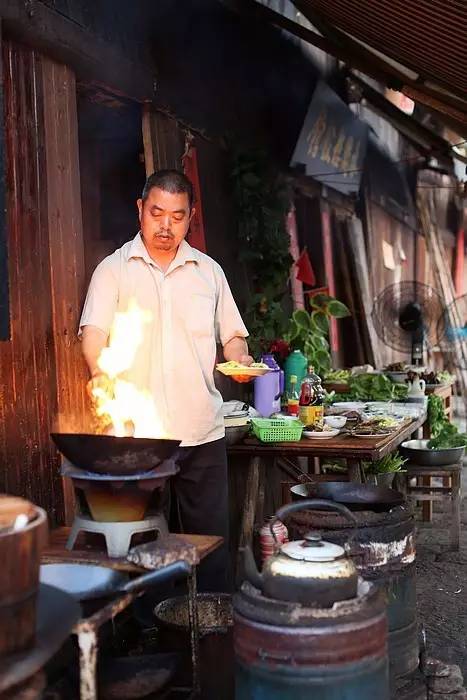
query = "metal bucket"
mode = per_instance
[
  {"x": 215, "y": 644},
  {"x": 285, "y": 651},
  {"x": 384, "y": 553}
]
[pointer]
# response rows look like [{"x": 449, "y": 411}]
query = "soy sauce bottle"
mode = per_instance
[{"x": 311, "y": 403}]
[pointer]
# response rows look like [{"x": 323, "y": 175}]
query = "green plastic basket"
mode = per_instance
[{"x": 277, "y": 429}]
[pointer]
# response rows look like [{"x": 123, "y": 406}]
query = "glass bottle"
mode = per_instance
[{"x": 293, "y": 397}]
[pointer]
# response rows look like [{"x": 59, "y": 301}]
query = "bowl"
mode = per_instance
[
  {"x": 418, "y": 452},
  {"x": 397, "y": 377},
  {"x": 335, "y": 421}
]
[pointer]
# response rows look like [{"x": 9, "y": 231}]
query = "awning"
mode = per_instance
[
  {"x": 413, "y": 46},
  {"x": 420, "y": 43}
]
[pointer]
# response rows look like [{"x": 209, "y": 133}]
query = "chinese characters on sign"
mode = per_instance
[{"x": 332, "y": 143}]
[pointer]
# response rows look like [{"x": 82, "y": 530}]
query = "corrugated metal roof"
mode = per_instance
[{"x": 427, "y": 36}]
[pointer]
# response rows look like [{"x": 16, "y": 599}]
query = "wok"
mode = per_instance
[
  {"x": 89, "y": 582},
  {"x": 354, "y": 496},
  {"x": 119, "y": 456}
]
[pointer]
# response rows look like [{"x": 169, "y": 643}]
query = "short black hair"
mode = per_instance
[{"x": 172, "y": 181}]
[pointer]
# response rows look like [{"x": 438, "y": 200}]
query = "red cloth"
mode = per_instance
[
  {"x": 196, "y": 237},
  {"x": 305, "y": 272}
]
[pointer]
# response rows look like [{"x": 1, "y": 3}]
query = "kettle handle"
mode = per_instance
[{"x": 309, "y": 504}]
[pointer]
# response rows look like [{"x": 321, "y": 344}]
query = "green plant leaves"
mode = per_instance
[
  {"x": 320, "y": 320},
  {"x": 301, "y": 318},
  {"x": 319, "y": 301},
  {"x": 337, "y": 309}
]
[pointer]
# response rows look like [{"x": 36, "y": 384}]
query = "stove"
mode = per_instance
[{"x": 118, "y": 507}]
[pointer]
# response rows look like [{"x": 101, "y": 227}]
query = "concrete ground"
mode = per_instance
[{"x": 442, "y": 585}]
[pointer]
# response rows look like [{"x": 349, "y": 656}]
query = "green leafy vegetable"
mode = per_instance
[
  {"x": 374, "y": 387},
  {"x": 444, "y": 434},
  {"x": 390, "y": 463}
]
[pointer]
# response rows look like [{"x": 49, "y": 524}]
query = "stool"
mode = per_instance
[{"x": 451, "y": 472}]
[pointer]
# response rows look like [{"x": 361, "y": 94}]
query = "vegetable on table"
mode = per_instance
[
  {"x": 444, "y": 434},
  {"x": 373, "y": 387}
]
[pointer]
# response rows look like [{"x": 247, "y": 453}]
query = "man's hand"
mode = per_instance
[
  {"x": 246, "y": 360},
  {"x": 99, "y": 383}
]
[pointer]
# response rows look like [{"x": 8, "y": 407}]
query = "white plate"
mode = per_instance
[
  {"x": 349, "y": 405},
  {"x": 244, "y": 371},
  {"x": 315, "y": 435}
]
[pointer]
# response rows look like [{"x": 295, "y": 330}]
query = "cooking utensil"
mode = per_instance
[
  {"x": 308, "y": 571},
  {"x": 132, "y": 677},
  {"x": 88, "y": 582},
  {"x": 418, "y": 452},
  {"x": 354, "y": 496},
  {"x": 57, "y": 613},
  {"x": 106, "y": 454}
]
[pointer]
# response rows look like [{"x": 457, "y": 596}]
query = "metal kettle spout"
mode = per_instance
[{"x": 251, "y": 570}]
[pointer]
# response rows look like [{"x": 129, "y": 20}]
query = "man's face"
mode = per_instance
[{"x": 164, "y": 218}]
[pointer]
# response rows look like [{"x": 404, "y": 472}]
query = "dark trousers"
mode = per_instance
[{"x": 200, "y": 496}]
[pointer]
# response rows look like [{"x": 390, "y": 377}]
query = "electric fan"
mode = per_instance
[{"x": 408, "y": 317}]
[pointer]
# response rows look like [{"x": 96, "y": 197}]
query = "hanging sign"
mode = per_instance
[{"x": 332, "y": 143}]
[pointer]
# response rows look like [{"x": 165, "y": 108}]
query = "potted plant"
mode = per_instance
[
  {"x": 383, "y": 471},
  {"x": 308, "y": 331}
]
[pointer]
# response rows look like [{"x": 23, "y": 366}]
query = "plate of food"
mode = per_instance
[
  {"x": 378, "y": 427},
  {"x": 233, "y": 368},
  {"x": 320, "y": 432}
]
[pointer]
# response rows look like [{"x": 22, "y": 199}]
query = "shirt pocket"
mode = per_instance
[{"x": 199, "y": 315}]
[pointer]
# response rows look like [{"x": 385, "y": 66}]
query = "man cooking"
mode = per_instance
[{"x": 192, "y": 309}]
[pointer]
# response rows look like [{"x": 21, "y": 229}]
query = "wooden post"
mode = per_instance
[{"x": 65, "y": 250}]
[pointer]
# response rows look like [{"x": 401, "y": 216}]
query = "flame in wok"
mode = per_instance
[{"x": 122, "y": 408}]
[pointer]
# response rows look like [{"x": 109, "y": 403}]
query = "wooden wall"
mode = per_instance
[{"x": 41, "y": 372}]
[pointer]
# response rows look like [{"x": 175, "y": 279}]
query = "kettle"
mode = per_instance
[
  {"x": 309, "y": 571},
  {"x": 268, "y": 389},
  {"x": 416, "y": 390}
]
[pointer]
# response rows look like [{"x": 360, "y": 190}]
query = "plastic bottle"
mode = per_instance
[
  {"x": 293, "y": 397},
  {"x": 295, "y": 364},
  {"x": 267, "y": 543},
  {"x": 311, "y": 403}
]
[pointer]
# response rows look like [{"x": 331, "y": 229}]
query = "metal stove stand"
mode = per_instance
[{"x": 155, "y": 556}]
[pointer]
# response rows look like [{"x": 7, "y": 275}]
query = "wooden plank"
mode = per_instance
[
  {"x": 27, "y": 361},
  {"x": 360, "y": 261},
  {"x": 445, "y": 284},
  {"x": 4, "y": 282},
  {"x": 66, "y": 253},
  {"x": 90, "y": 554}
]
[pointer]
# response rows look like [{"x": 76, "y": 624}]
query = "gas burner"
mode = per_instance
[
  {"x": 118, "y": 535},
  {"x": 118, "y": 507}
]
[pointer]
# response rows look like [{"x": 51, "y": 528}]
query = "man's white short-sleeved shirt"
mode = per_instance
[{"x": 192, "y": 309}]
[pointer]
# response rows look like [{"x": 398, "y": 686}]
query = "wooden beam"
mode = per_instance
[
  {"x": 148, "y": 144},
  {"x": 92, "y": 59}
]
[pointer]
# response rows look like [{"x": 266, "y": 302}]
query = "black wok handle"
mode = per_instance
[
  {"x": 310, "y": 504},
  {"x": 175, "y": 570}
]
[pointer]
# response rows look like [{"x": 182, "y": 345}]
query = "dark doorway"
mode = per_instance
[{"x": 112, "y": 171}]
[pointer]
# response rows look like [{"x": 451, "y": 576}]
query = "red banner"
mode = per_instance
[{"x": 195, "y": 236}]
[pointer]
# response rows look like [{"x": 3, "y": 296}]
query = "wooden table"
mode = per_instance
[
  {"x": 353, "y": 450},
  {"x": 90, "y": 554}
]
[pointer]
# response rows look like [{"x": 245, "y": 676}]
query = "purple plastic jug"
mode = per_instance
[{"x": 268, "y": 388}]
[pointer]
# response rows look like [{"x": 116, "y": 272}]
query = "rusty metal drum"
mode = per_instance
[
  {"x": 285, "y": 651},
  {"x": 384, "y": 553}
]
